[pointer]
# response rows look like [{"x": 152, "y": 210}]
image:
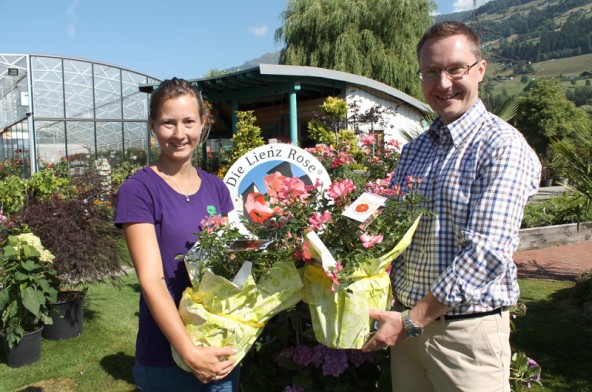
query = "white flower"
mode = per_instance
[{"x": 34, "y": 241}]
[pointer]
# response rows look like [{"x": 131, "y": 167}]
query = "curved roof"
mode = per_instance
[{"x": 269, "y": 79}]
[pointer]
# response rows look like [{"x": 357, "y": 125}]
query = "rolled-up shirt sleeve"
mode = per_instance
[
  {"x": 507, "y": 176},
  {"x": 476, "y": 175}
]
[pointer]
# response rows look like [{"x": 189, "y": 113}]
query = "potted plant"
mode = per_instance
[
  {"x": 28, "y": 287},
  {"x": 80, "y": 233}
]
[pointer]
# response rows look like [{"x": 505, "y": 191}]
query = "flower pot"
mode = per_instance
[
  {"x": 546, "y": 182},
  {"x": 67, "y": 315},
  {"x": 26, "y": 352}
]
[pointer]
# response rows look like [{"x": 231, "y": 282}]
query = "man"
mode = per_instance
[{"x": 453, "y": 286}]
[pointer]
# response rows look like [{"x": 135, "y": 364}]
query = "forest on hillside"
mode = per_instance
[{"x": 532, "y": 30}]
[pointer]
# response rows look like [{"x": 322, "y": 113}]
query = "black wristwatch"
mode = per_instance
[{"x": 412, "y": 330}]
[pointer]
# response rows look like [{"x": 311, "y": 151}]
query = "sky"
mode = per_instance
[{"x": 182, "y": 38}]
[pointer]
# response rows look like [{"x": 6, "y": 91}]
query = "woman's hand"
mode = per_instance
[{"x": 210, "y": 363}]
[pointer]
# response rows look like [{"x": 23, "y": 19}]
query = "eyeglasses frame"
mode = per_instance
[{"x": 445, "y": 70}]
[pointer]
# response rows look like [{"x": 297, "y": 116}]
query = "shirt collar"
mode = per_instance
[{"x": 458, "y": 130}]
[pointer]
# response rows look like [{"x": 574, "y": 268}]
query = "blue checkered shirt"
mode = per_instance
[{"x": 477, "y": 174}]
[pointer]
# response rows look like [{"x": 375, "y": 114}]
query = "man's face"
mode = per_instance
[{"x": 450, "y": 97}]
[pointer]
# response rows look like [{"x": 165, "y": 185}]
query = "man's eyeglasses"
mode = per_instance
[{"x": 452, "y": 73}]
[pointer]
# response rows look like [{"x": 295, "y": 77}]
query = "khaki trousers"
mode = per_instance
[{"x": 471, "y": 355}]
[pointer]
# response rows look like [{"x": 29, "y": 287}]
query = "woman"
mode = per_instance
[{"x": 159, "y": 209}]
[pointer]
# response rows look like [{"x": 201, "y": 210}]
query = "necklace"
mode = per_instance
[{"x": 178, "y": 187}]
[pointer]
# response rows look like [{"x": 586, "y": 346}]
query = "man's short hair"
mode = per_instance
[{"x": 448, "y": 29}]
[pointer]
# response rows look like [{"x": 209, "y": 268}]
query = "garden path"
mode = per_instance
[{"x": 563, "y": 262}]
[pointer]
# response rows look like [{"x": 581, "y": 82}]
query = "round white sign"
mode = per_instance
[{"x": 247, "y": 173}]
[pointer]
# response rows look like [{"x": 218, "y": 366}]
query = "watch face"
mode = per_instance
[{"x": 413, "y": 331}]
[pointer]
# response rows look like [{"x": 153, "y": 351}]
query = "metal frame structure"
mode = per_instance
[{"x": 71, "y": 108}]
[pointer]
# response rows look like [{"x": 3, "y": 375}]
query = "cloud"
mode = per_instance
[
  {"x": 72, "y": 19},
  {"x": 465, "y": 5},
  {"x": 259, "y": 31}
]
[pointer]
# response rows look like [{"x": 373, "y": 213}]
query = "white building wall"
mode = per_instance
[{"x": 398, "y": 116}]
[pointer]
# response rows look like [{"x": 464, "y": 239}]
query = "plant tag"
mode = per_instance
[
  {"x": 243, "y": 274},
  {"x": 364, "y": 207},
  {"x": 327, "y": 259}
]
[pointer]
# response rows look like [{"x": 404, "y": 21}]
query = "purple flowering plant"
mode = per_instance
[
  {"x": 524, "y": 372},
  {"x": 288, "y": 350}
]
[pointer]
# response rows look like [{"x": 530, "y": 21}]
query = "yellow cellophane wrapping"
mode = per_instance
[
  {"x": 218, "y": 313},
  {"x": 340, "y": 318}
]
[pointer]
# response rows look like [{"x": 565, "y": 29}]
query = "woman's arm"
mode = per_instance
[{"x": 205, "y": 362}]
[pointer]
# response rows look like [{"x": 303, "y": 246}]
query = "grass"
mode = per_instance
[
  {"x": 552, "y": 332},
  {"x": 543, "y": 70},
  {"x": 100, "y": 359}
]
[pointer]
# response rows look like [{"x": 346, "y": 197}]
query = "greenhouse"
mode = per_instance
[{"x": 73, "y": 109}]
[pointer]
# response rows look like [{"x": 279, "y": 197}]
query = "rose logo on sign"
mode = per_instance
[{"x": 247, "y": 173}]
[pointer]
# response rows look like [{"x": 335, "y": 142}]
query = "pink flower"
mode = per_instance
[
  {"x": 368, "y": 140},
  {"x": 394, "y": 143},
  {"x": 285, "y": 189},
  {"x": 213, "y": 223},
  {"x": 340, "y": 189},
  {"x": 333, "y": 274},
  {"x": 308, "y": 252},
  {"x": 273, "y": 183},
  {"x": 318, "y": 220},
  {"x": 368, "y": 240},
  {"x": 257, "y": 208},
  {"x": 293, "y": 189},
  {"x": 342, "y": 159},
  {"x": 411, "y": 182}
]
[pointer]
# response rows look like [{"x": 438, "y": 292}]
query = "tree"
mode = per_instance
[
  {"x": 372, "y": 38},
  {"x": 578, "y": 157},
  {"x": 327, "y": 128},
  {"x": 544, "y": 113},
  {"x": 247, "y": 137}
]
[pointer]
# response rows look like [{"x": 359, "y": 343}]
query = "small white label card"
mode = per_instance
[
  {"x": 364, "y": 206},
  {"x": 327, "y": 259}
]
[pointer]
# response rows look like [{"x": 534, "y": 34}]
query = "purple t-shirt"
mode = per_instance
[{"x": 147, "y": 198}]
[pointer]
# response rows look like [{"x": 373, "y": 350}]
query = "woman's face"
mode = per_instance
[{"x": 178, "y": 127}]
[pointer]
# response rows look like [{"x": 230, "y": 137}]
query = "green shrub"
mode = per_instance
[
  {"x": 13, "y": 193},
  {"x": 556, "y": 211},
  {"x": 583, "y": 287}
]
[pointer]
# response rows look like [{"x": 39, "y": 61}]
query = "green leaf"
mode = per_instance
[{"x": 31, "y": 300}]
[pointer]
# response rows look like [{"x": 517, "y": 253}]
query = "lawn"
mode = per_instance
[
  {"x": 101, "y": 359},
  {"x": 552, "y": 332}
]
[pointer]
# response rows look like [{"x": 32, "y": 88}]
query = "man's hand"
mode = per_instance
[{"x": 390, "y": 332}]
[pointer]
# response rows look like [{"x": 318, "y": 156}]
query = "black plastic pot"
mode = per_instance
[
  {"x": 26, "y": 352},
  {"x": 67, "y": 315},
  {"x": 546, "y": 182}
]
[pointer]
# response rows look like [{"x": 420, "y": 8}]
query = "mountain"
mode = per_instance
[
  {"x": 523, "y": 31},
  {"x": 267, "y": 58},
  {"x": 517, "y": 32}
]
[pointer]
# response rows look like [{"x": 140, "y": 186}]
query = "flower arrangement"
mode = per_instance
[{"x": 345, "y": 238}]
